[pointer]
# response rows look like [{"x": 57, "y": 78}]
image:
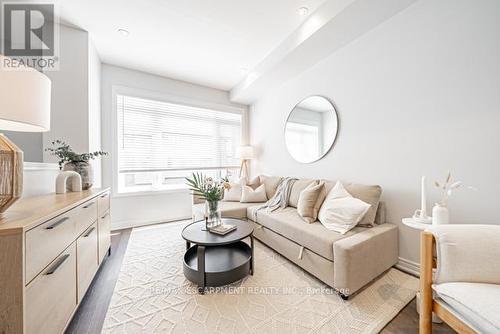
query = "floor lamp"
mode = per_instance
[
  {"x": 24, "y": 107},
  {"x": 245, "y": 153}
]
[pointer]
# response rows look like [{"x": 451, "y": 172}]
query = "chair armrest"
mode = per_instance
[{"x": 362, "y": 257}]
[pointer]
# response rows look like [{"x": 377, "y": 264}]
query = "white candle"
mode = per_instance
[{"x": 423, "y": 205}]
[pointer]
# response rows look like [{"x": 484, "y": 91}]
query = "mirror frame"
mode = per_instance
[{"x": 334, "y": 139}]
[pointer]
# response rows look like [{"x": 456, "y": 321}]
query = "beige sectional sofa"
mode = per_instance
[{"x": 345, "y": 262}]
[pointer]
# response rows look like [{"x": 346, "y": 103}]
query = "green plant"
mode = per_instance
[
  {"x": 65, "y": 153},
  {"x": 206, "y": 188}
]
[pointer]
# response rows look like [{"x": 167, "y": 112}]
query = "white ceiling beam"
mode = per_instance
[{"x": 331, "y": 27}]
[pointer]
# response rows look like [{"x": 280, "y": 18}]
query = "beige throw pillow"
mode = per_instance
[
  {"x": 307, "y": 204},
  {"x": 340, "y": 211},
  {"x": 249, "y": 195},
  {"x": 254, "y": 183}
]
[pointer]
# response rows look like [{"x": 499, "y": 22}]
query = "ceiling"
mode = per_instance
[{"x": 208, "y": 42}]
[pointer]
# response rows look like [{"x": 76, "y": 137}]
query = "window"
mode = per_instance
[
  {"x": 160, "y": 143},
  {"x": 303, "y": 140}
]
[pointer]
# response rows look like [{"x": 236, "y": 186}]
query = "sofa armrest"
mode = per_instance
[
  {"x": 362, "y": 257},
  {"x": 196, "y": 199},
  {"x": 380, "y": 216}
]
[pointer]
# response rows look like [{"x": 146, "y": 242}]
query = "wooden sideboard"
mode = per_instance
[{"x": 51, "y": 247}]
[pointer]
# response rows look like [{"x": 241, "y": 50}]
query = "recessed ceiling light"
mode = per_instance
[
  {"x": 123, "y": 32},
  {"x": 302, "y": 11}
]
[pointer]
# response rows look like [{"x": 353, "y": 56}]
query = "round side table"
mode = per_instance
[
  {"x": 216, "y": 260},
  {"x": 422, "y": 227},
  {"x": 415, "y": 225}
]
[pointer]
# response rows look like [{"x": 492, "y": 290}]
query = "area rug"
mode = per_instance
[{"x": 153, "y": 296}]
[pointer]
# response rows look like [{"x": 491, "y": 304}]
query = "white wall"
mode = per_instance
[
  {"x": 39, "y": 178},
  {"x": 417, "y": 95},
  {"x": 31, "y": 143},
  {"x": 133, "y": 210},
  {"x": 94, "y": 112},
  {"x": 70, "y": 101}
]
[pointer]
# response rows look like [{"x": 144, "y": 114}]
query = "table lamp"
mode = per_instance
[
  {"x": 24, "y": 107},
  {"x": 245, "y": 153}
]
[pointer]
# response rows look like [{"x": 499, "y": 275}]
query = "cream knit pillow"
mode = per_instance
[
  {"x": 307, "y": 206},
  {"x": 340, "y": 211},
  {"x": 248, "y": 195},
  {"x": 233, "y": 194}
]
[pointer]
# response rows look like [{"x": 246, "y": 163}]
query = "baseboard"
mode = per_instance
[
  {"x": 135, "y": 223},
  {"x": 409, "y": 267}
]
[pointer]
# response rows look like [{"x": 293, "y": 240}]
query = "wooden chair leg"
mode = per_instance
[{"x": 426, "y": 253}]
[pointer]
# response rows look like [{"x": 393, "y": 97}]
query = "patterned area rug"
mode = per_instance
[{"x": 152, "y": 295}]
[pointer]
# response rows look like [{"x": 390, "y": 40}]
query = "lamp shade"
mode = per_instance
[
  {"x": 24, "y": 100},
  {"x": 245, "y": 152}
]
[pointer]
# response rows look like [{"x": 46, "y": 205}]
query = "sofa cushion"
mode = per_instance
[
  {"x": 249, "y": 195},
  {"x": 367, "y": 193},
  {"x": 476, "y": 303},
  {"x": 289, "y": 224},
  {"x": 228, "y": 209},
  {"x": 271, "y": 184},
  {"x": 297, "y": 188}
]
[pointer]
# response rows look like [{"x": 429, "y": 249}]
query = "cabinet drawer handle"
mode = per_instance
[
  {"x": 107, "y": 214},
  {"x": 89, "y": 232},
  {"x": 57, "y": 223},
  {"x": 56, "y": 265},
  {"x": 105, "y": 195},
  {"x": 88, "y": 205}
]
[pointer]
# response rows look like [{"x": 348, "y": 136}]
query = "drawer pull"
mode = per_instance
[
  {"x": 88, "y": 205},
  {"x": 57, "y": 223},
  {"x": 105, "y": 195},
  {"x": 104, "y": 217},
  {"x": 56, "y": 265},
  {"x": 89, "y": 232}
]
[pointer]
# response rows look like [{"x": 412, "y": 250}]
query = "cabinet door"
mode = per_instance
[
  {"x": 51, "y": 297},
  {"x": 87, "y": 260},
  {"x": 86, "y": 215},
  {"x": 104, "y": 203},
  {"x": 104, "y": 233}
]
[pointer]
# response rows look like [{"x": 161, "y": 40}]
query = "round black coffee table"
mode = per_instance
[{"x": 216, "y": 260}]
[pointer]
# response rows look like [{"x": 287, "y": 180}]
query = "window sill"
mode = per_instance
[{"x": 143, "y": 193}]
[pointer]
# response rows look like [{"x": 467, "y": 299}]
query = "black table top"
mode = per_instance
[{"x": 193, "y": 233}]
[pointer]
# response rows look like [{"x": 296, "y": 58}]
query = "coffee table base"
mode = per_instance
[{"x": 214, "y": 266}]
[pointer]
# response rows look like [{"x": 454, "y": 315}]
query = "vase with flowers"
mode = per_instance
[
  {"x": 440, "y": 213},
  {"x": 212, "y": 192},
  {"x": 77, "y": 162}
]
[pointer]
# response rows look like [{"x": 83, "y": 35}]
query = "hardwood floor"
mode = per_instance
[{"x": 89, "y": 317}]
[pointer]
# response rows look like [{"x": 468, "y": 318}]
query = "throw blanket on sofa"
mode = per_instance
[{"x": 280, "y": 198}]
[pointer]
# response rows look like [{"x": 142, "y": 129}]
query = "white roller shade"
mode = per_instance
[{"x": 156, "y": 136}]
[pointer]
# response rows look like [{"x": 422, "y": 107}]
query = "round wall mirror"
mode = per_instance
[{"x": 311, "y": 129}]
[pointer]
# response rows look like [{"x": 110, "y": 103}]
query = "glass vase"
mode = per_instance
[{"x": 212, "y": 214}]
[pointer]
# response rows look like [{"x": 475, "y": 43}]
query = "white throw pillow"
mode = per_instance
[
  {"x": 340, "y": 211},
  {"x": 233, "y": 194},
  {"x": 248, "y": 195}
]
